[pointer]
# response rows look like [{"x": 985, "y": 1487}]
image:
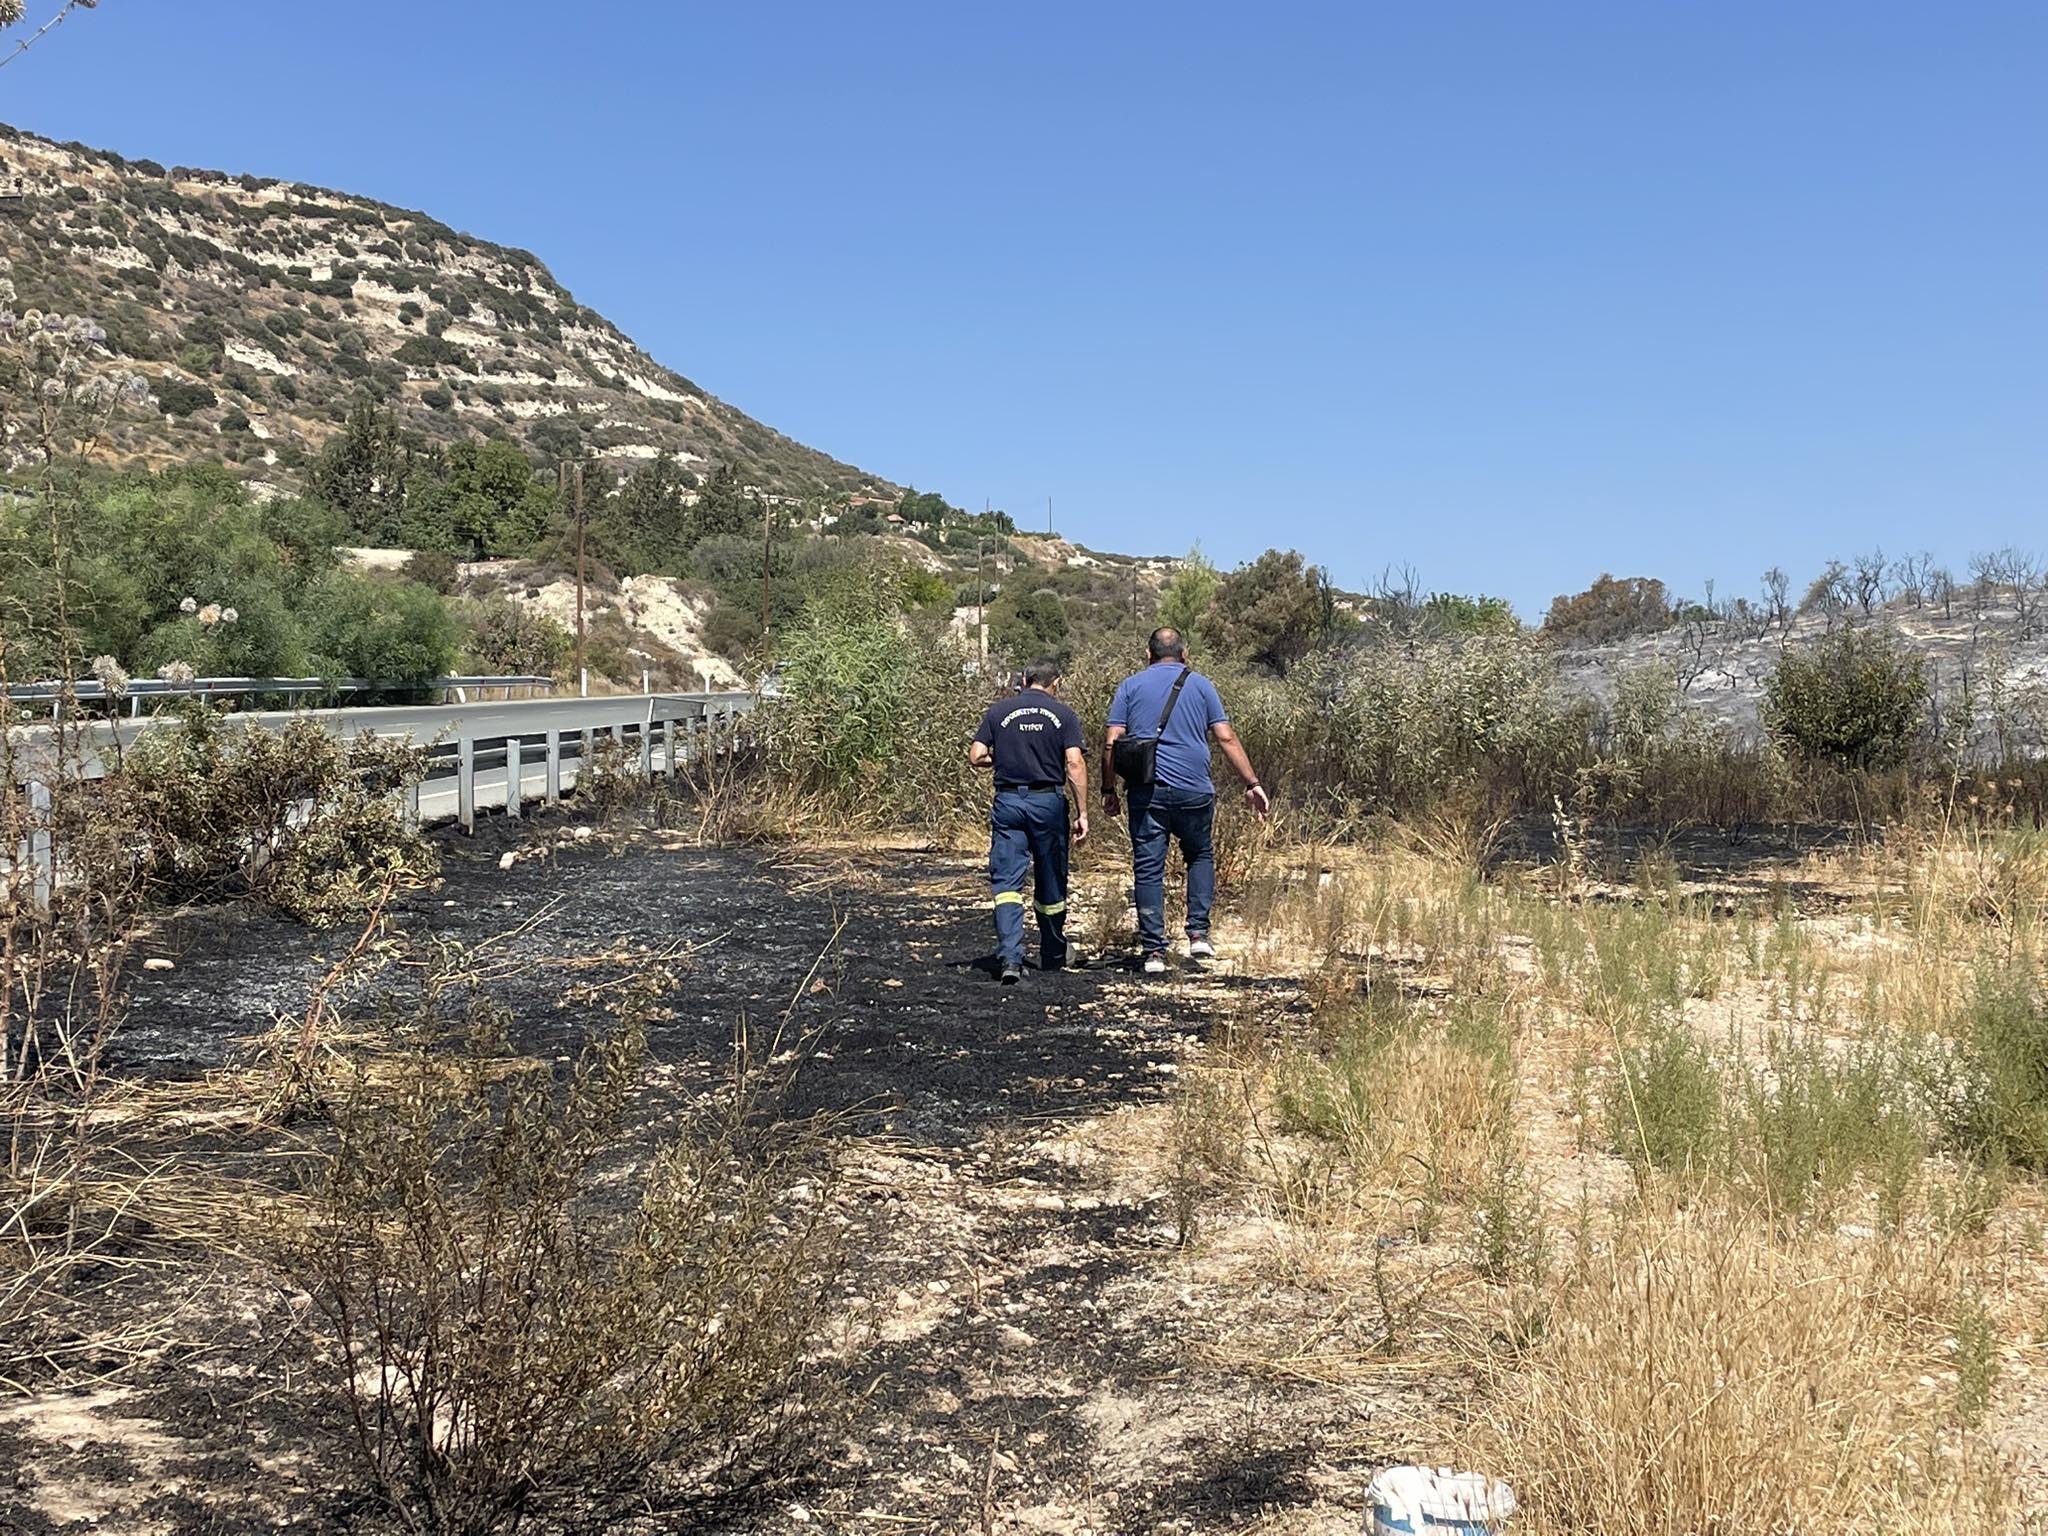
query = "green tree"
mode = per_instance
[
  {"x": 1025, "y": 625},
  {"x": 483, "y": 497},
  {"x": 924, "y": 589},
  {"x": 1458, "y": 614},
  {"x": 145, "y": 543},
  {"x": 925, "y": 507},
  {"x": 650, "y": 522},
  {"x": 723, "y": 507},
  {"x": 1185, "y": 600},
  {"x": 1610, "y": 609},
  {"x": 1274, "y": 611},
  {"x": 362, "y": 473},
  {"x": 394, "y": 631},
  {"x": 1858, "y": 698}
]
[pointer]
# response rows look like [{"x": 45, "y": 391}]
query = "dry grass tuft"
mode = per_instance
[{"x": 1699, "y": 1373}]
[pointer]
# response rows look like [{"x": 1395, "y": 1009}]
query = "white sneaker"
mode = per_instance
[
  {"x": 1201, "y": 949},
  {"x": 1155, "y": 965}
]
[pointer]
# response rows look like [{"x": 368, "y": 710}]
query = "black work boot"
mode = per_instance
[{"x": 1052, "y": 942}]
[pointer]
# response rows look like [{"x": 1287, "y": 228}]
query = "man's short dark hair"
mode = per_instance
[
  {"x": 1167, "y": 645},
  {"x": 1042, "y": 673}
]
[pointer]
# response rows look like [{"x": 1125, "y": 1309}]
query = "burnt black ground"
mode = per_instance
[
  {"x": 895, "y": 986},
  {"x": 1002, "y": 1298}
]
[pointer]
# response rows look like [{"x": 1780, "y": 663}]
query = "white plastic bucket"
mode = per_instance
[{"x": 1424, "y": 1501}]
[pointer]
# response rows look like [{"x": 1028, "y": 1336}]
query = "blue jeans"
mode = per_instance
[
  {"x": 1159, "y": 812},
  {"x": 1028, "y": 836}
]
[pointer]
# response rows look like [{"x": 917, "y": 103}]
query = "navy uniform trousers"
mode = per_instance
[{"x": 1028, "y": 836}]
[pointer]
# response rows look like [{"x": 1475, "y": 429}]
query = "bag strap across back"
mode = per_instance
[{"x": 1172, "y": 698}]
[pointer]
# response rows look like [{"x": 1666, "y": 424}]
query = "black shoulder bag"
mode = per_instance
[{"x": 1135, "y": 759}]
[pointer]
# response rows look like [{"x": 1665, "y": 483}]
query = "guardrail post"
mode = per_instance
[
  {"x": 465, "y": 784},
  {"x": 41, "y": 860},
  {"x": 646, "y": 751},
  {"x": 515, "y": 783},
  {"x": 412, "y": 803},
  {"x": 668, "y": 747},
  {"x": 554, "y": 790}
]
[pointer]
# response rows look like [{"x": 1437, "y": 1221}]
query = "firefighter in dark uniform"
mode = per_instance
[{"x": 1033, "y": 744}]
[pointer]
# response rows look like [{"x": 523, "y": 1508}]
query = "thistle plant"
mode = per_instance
[{"x": 13, "y": 12}]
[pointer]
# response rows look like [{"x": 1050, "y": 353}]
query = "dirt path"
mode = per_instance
[{"x": 1032, "y": 1358}]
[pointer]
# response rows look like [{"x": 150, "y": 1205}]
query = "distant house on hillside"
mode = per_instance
[{"x": 895, "y": 518}]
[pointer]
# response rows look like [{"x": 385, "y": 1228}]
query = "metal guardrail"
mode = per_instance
[
  {"x": 498, "y": 769},
  {"x": 135, "y": 690},
  {"x": 502, "y": 755}
]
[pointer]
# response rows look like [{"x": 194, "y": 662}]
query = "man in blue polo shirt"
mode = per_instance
[
  {"x": 1034, "y": 745},
  {"x": 1180, "y": 802}
]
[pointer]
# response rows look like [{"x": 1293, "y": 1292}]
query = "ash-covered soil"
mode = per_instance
[{"x": 1028, "y": 1356}]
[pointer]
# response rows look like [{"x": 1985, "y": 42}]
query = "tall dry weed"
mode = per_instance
[{"x": 1702, "y": 1373}]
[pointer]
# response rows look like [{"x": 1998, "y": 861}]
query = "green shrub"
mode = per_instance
[
  {"x": 1024, "y": 625},
  {"x": 1857, "y": 698},
  {"x": 143, "y": 543},
  {"x": 434, "y": 569},
  {"x": 181, "y": 397},
  {"x": 1665, "y": 1106},
  {"x": 1459, "y": 614},
  {"x": 1804, "y": 1129},
  {"x": 433, "y": 352},
  {"x": 1401, "y": 728},
  {"x": 873, "y": 715},
  {"x": 394, "y": 632},
  {"x": 1610, "y": 609},
  {"x": 297, "y": 817},
  {"x": 925, "y": 589},
  {"x": 506, "y": 638},
  {"x": 1993, "y": 1083},
  {"x": 1274, "y": 612},
  {"x": 504, "y": 1346}
]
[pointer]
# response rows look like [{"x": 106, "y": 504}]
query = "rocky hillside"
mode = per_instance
[{"x": 260, "y": 309}]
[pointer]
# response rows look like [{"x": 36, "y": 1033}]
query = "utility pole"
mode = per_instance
[
  {"x": 981, "y": 589},
  {"x": 561, "y": 486},
  {"x": 767, "y": 535},
  {"x": 1048, "y": 517}
]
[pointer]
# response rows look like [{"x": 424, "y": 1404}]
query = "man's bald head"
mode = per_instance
[{"x": 1167, "y": 645}]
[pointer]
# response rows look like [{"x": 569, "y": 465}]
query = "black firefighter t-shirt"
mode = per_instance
[{"x": 1029, "y": 734}]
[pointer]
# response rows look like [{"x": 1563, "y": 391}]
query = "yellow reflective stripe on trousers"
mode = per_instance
[
  {"x": 1009, "y": 898},
  {"x": 1051, "y": 908}
]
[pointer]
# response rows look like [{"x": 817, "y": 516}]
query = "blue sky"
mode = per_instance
[{"x": 1513, "y": 293}]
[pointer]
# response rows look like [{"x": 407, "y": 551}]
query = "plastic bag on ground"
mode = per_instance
[{"x": 1425, "y": 1501}]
